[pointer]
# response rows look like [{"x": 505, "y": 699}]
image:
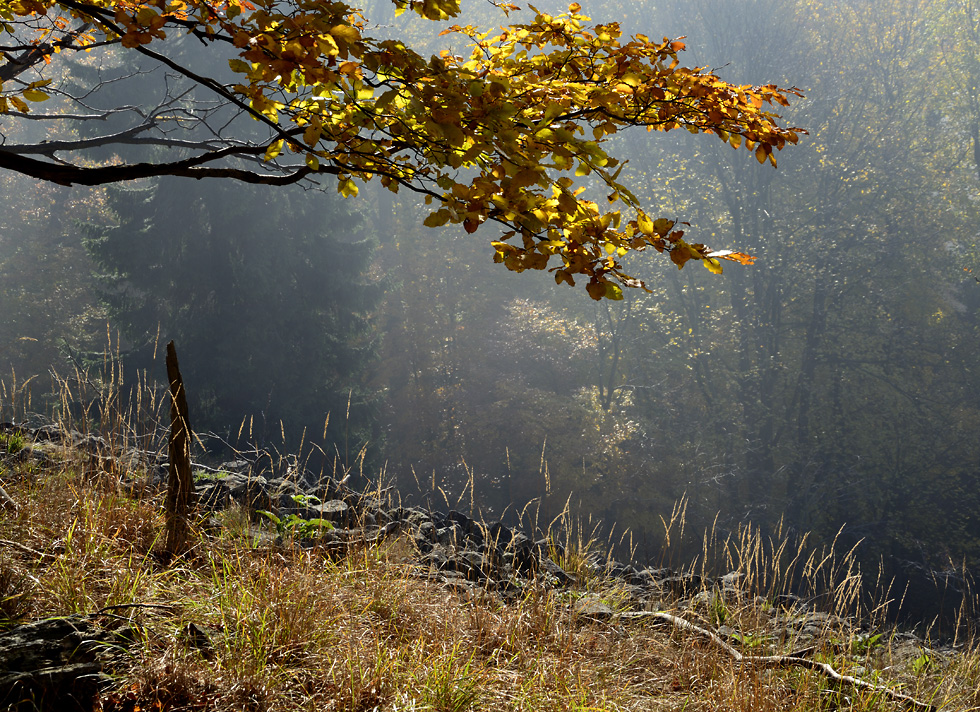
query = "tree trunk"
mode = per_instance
[{"x": 180, "y": 489}]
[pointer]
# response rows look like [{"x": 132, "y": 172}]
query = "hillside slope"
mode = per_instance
[{"x": 339, "y": 600}]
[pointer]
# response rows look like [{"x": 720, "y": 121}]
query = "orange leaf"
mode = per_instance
[{"x": 740, "y": 257}]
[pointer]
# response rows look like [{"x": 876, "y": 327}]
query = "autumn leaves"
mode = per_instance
[{"x": 515, "y": 134}]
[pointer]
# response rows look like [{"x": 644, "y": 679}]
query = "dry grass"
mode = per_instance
[{"x": 236, "y": 625}]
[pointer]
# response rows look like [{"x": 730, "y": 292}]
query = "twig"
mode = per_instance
[
  {"x": 164, "y": 606},
  {"x": 26, "y": 549},
  {"x": 773, "y": 661},
  {"x": 6, "y": 500}
]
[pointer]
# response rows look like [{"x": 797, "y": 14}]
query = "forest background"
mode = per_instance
[{"x": 830, "y": 388}]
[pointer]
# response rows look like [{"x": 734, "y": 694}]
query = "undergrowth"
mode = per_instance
[{"x": 243, "y": 623}]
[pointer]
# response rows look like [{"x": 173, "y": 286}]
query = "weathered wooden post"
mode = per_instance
[{"x": 180, "y": 488}]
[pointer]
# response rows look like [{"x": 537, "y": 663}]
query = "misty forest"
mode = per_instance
[{"x": 829, "y": 388}]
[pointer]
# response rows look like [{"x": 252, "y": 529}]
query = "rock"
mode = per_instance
[
  {"x": 336, "y": 510},
  {"x": 464, "y": 522},
  {"x": 548, "y": 547},
  {"x": 427, "y": 531},
  {"x": 618, "y": 570},
  {"x": 643, "y": 577},
  {"x": 788, "y": 600},
  {"x": 242, "y": 466},
  {"x": 49, "y": 432},
  {"x": 731, "y": 580},
  {"x": 248, "y": 490},
  {"x": 681, "y": 585},
  {"x": 594, "y": 607},
  {"x": 53, "y": 664},
  {"x": 212, "y": 495},
  {"x": 479, "y": 567},
  {"x": 519, "y": 540},
  {"x": 283, "y": 493},
  {"x": 412, "y": 517},
  {"x": 525, "y": 560},
  {"x": 499, "y": 534},
  {"x": 437, "y": 559},
  {"x": 449, "y": 536}
]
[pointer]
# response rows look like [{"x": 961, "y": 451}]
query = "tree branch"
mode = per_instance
[
  {"x": 127, "y": 137},
  {"x": 775, "y": 661},
  {"x": 68, "y": 174},
  {"x": 99, "y": 16},
  {"x": 36, "y": 54}
]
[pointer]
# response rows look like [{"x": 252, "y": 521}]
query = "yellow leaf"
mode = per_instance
[
  {"x": 313, "y": 162},
  {"x": 552, "y": 111},
  {"x": 567, "y": 204},
  {"x": 312, "y": 135},
  {"x": 712, "y": 265},
  {"x": 563, "y": 276},
  {"x": 385, "y": 99},
  {"x": 645, "y": 224},
  {"x": 327, "y": 45},
  {"x": 346, "y": 33},
  {"x": 273, "y": 150},
  {"x": 662, "y": 226},
  {"x": 437, "y": 219},
  {"x": 34, "y": 95},
  {"x": 347, "y": 188},
  {"x": 631, "y": 79}
]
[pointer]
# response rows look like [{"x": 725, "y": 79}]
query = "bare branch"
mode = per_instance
[
  {"x": 67, "y": 174},
  {"x": 101, "y": 17},
  {"x": 776, "y": 661},
  {"x": 127, "y": 137}
]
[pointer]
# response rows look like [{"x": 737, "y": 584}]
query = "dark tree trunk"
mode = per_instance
[{"x": 180, "y": 490}]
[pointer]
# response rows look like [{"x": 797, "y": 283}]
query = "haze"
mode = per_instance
[{"x": 829, "y": 388}]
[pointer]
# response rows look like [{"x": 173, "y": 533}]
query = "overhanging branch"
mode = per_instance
[
  {"x": 67, "y": 174},
  {"x": 128, "y": 137}
]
